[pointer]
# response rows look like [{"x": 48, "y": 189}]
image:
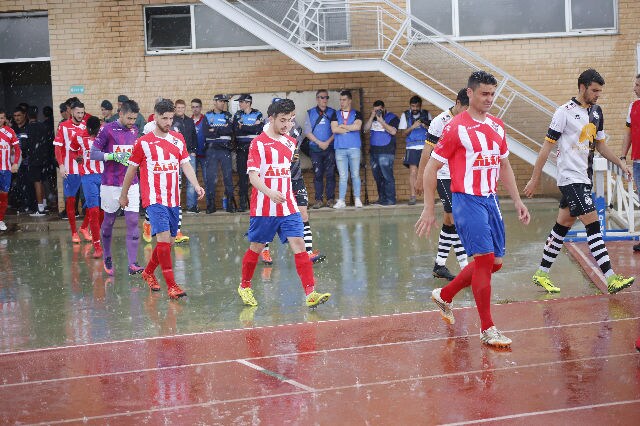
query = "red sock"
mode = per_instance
[
  {"x": 4, "y": 197},
  {"x": 153, "y": 262},
  {"x": 94, "y": 222},
  {"x": 305, "y": 271},
  {"x": 85, "y": 221},
  {"x": 496, "y": 267},
  {"x": 462, "y": 280},
  {"x": 71, "y": 213},
  {"x": 164, "y": 258},
  {"x": 249, "y": 263},
  {"x": 481, "y": 286}
]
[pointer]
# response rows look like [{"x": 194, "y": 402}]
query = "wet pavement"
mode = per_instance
[{"x": 52, "y": 293}]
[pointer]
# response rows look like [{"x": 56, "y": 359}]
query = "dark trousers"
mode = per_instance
[
  {"x": 382, "y": 169},
  {"x": 324, "y": 167},
  {"x": 242, "y": 155},
  {"x": 218, "y": 158}
]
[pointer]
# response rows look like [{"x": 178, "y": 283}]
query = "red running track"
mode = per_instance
[{"x": 572, "y": 362}]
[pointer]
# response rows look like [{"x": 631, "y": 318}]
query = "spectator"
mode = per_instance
[
  {"x": 64, "y": 112},
  {"x": 51, "y": 182},
  {"x": 346, "y": 125},
  {"x": 106, "y": 111},
  {"x": 247, "y": 125},
  {"x": 35, "y": 151},
  {"x": 383, "y": 126},
  {"x": 414, "y": 123},
  {"x": 323, "y": 158},
  {"x": 200, "y": 157},
  {"x": 218, "y": 130},
  {"x": 22, "y": 190}
]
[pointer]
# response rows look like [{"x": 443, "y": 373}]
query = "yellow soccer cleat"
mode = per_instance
[
  {"x": 542, "y": 279},
  {"x": 181, "y": 238},
  {"x": 314, "y": 298},
  {"x": 246, "y": 294},
  {"x": 615, "y": 283}
]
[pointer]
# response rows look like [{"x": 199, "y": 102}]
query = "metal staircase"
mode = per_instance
[{"x": 329, "y": 36}]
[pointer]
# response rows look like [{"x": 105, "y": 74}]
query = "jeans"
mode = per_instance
[
  {"x": 192, "y": 197},
  {"x": 348, "y": 160},
  {"x": 215, "y": 158},
  {"x": 636, "y": 175},
  {"x": 324, "y": 166},
  {"x": 382, "y": 169}
]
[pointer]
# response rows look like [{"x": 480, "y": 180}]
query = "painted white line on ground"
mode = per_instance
[{"x": 275, "y": 375}]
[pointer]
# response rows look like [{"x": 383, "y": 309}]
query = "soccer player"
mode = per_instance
[
  {"x": 8, "y": 143},
  {"x": 577, "y": 130},
  {"x": 273, "y": 207},
  {"x": 69, "y": 168},
  {"x": 91, "y": 177},
  {"x": 160, "y": 154},
  {"x": 114, "y": 145},
  {"x": 474, "y": 144},
  {"x": 448, "y": 235},
  {"x": 632, "y": 139}
]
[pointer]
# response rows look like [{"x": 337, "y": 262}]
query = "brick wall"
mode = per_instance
[{"x": 100, "y": 44}]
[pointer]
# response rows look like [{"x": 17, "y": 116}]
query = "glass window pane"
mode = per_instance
[
  {"x": 436, "y": 13},
  {"x": 168, "y": 27},
  {"x": 495, "y": 17},
  {"x": 588, "y": 14},
  {"x": 24, "y": 36},
  {"x": 215, "y": 31}
]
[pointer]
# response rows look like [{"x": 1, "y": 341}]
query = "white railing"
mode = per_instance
[{"x": 622, "y": 201}]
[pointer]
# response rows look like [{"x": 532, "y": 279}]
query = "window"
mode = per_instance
[
  {"x": 474, "y": 19},
  {"x": 194, "y": 28},
  {"x": 25, "y": 37}
]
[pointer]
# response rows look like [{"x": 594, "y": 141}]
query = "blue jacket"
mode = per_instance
[
  {"x": 218, "y": 129},
  {"x": 252, "y": 124},
  {"x": 323, "y": 129},
  {"x": 349, "y": 139}
]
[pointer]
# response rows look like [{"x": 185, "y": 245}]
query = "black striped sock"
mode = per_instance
[
  {"x": 553, "y": 246},
  {"x": 598, "y": 249},
  {"x": 445, "y": 241},
  {"x": 308, "y": 237}
]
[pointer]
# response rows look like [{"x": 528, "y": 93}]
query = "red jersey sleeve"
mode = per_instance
[
  {"x": 254, "y": 160},
  {"x": 59, "y": 139},
  {"x": 137, "y": 155}
]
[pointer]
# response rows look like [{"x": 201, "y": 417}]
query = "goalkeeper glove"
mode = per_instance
[{"x": 120, "y": 157}]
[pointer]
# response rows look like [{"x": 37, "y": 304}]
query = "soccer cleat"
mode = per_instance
[
  {"x": 146, "y": 231},
  {"x": 97, "y": 252},
  {"x": 75, "y": 237},
  {"x": 85, "y": 234},
  {"x": 38, "y": 214},
  {"x": 340, "y": 204},
  {"x": 246, "y": 294},
  {"x": 493, "y": 337},
  {"x": 445, "y": 307},
  {"x": 134, "y": 269},
  {"x": 176, "y": 292},
  {"x": 266, "y": 257},
  {"x": 412, "y": 200},
  {"x": 441, "y": 271},
  {"x": 542, "y": 279},
  {"x": 181, "y": 238},
  {"x": 314, "y": 298},
  {"x": 358, "y": 203},
  {"x": 615, "y": 283},
  {"x": 3, "y": 226},
  {"x": 151, "y": 281},
  {"x": 108, "y": 266},
  {"x": 636, "y": 247},
  {"x": 316, "y": 257}
]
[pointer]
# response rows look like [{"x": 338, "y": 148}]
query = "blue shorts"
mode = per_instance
[
  {"x": 479, "y": 223},
  {"x": 163, "y": 219},
  {"x": 71, "y": 185},
  {"x": 262, "y": 229},
  {"x": 5, "y": 180},
  {"x": 91, "y": 189},
  {"x": 412, "y": 157}
]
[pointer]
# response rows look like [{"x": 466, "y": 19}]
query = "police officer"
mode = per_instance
[
  {"x": 218, "y": 130},
  {"x": 247, "y": 124}
]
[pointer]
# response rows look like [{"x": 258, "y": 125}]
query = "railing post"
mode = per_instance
[{"x": 396, "y": 38}]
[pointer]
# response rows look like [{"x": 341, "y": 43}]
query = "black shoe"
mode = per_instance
[
  {"x": 442, "y": 272},
  {"x": 212, "y": 210},
  {"x": 230, "y": 209},
  {"x": 636, "y": 247},
  {"x": 194, "y": 210}
]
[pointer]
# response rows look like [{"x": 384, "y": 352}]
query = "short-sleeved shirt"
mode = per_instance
[
  {"x": 68, "y": 131},
  {"x": 160, "y": 160},
  {"x": 271, "y": 158},
  {"x": 88, "y": 166},
  {"x": 474, "y": 150},
  {"x": 633, "y": 123},
  {"x": 575, "y": 130},
  {"x": 433, "y": 136},
  {"x": 8, "y": 139},
  {"x": 114, "y": 137}
]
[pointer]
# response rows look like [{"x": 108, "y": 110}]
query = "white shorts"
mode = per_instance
[{"x": 110, "y": 198}]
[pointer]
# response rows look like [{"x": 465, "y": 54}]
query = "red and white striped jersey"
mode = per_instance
[
  {"x": 474, "y": 150},
  {"x": 8, "y": 139},
  {"x": 272, "y": 160},
  {"x": 83, "y": 147},
  {"x": 159, "y": 160},
  {"x": 67, "y": 133}
]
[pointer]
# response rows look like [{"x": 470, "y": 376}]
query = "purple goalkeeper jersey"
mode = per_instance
[{"x": 114, "y": 137}]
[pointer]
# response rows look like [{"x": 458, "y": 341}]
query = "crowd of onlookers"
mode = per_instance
[{"x": 218, "y": 140}]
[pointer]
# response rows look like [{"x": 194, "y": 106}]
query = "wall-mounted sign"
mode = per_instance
[{"x": 76, "y": 90}]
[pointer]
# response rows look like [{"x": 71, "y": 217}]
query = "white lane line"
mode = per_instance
[
  {"x": 294, "y": 354},
  {"x": 276, "y": 375},
  {"x": 541, "y": 413}
]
